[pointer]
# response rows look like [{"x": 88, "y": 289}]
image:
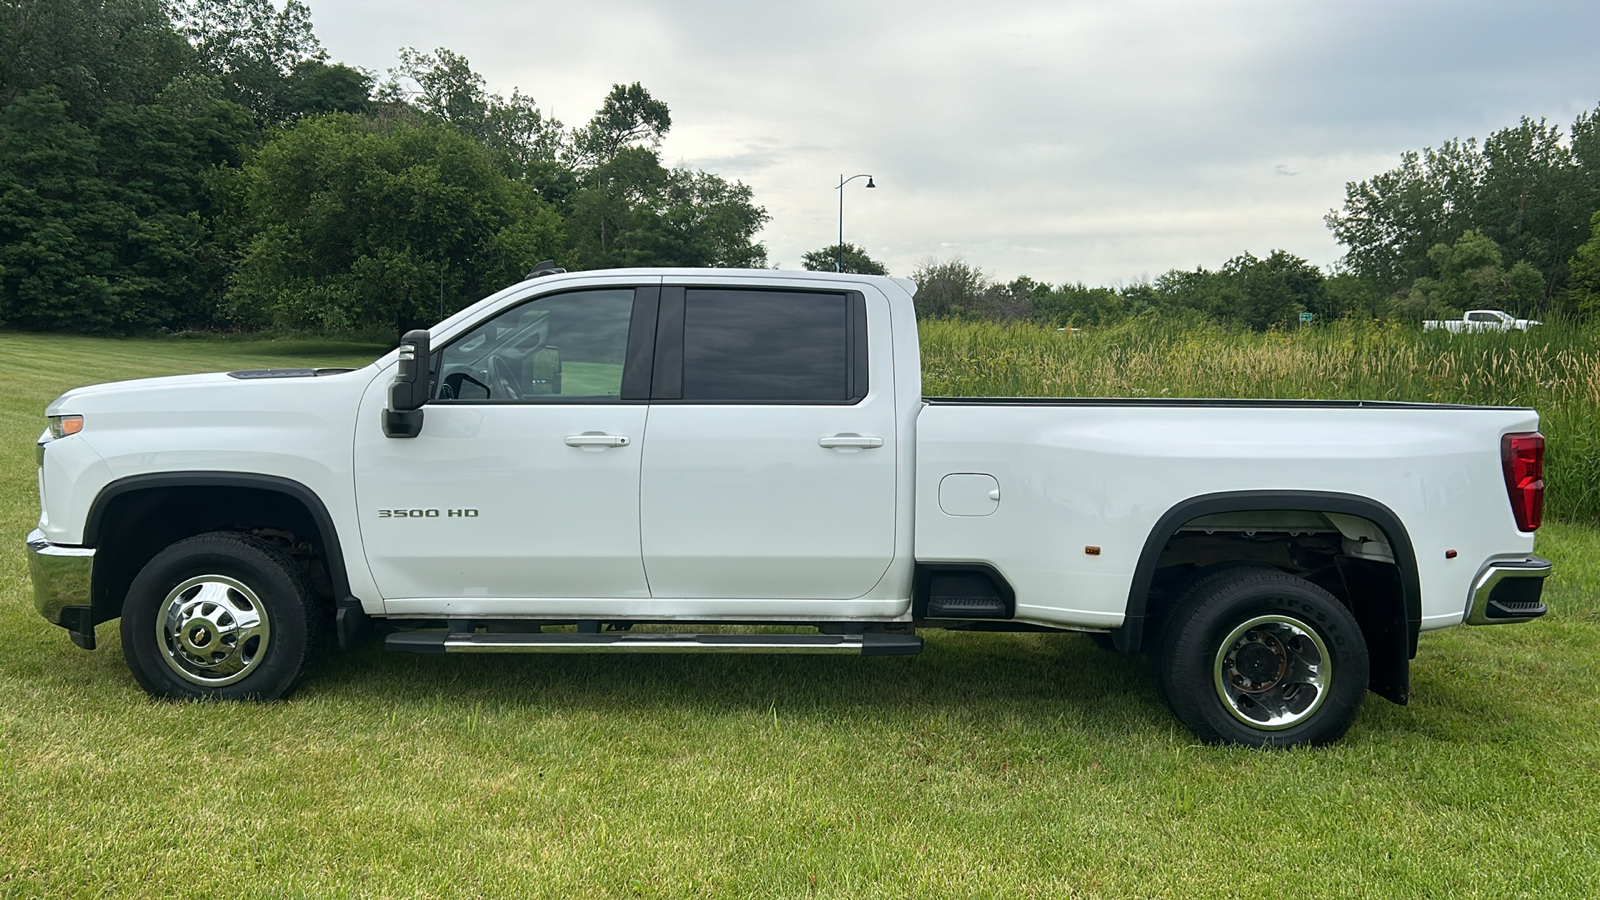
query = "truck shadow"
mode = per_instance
[
  {"x": 987, "y": 680},
  {"x": 982, "y": 675}
]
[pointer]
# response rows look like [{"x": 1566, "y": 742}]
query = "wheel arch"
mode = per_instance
[
  {"x": 1392, "y": 640},
  {"x": 146, "y": 493}
]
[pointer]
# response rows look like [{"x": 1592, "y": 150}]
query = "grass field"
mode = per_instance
[{"x": 1000, "y": 765}]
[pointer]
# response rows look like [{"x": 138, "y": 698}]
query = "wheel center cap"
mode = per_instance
[
  {"x": 204, "y": 632},
  {"x": 200, "y": 637},
  {"x": 1258, "y": 663}
]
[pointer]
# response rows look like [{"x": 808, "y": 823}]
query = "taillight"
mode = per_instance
[{"x": 1522, "y": 459}]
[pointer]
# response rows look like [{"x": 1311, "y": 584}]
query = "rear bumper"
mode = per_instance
[
  {"x": 1507, "y": 591},
  {"x": 61, "y": 577}
]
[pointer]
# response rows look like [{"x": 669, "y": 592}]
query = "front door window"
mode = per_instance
[{"x": 567, "y": 346}]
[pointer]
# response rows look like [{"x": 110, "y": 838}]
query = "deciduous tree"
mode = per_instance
[
  {"x": 89, "y": 52},
  {"x": 855, "y": 259},
  {"x": 353, "y": 223},
  {"x": 104, "y": 227},
  {"x": 443, "y": 86},
  {"x": 629, "y": 210},
  {"x": 1470, "y": 273},
  {"x": 1529, "y": 188},
  {"x": 255, "y": 47},
  {"x": 629, "y": 117},
  {"x": 1585, "y": 268}
]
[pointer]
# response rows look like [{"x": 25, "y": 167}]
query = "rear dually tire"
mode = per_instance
[{"x": 1260, "y": 657}]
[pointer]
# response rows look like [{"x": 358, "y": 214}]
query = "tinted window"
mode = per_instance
[
  {"x": 565, "y": 345},
  {"x": 764, "y": 345}
]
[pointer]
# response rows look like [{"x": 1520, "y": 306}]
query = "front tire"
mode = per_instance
[
  {"x": 223, "y": 615},
  {"x": 1260, "y": 657}
]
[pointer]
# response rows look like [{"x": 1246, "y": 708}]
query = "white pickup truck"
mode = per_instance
[
  {"x": 1480, "y": 320},
  {"x": 684, "y": 450}
]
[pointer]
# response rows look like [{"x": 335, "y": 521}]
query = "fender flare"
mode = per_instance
[
  {"x": 328, "y": 535},
  {"x": 1129, "y": 636}
]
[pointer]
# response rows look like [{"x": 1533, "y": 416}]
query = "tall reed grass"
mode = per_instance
[{"x": 1554, "y": 368}]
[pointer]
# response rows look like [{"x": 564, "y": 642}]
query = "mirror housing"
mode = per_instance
[{"x": 409, "y": 391}]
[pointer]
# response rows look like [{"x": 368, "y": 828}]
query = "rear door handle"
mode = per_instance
[
  {"x": 857, "y": 441},
  {"x": 597, "y": 439}
]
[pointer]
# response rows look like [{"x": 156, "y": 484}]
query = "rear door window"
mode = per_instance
[{"x": 766, "y": 346}]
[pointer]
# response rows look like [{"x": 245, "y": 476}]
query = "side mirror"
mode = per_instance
[{"x": 403, "y": 418}]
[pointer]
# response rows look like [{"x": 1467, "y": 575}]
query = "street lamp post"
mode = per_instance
[{"x": 838, "y": 263}]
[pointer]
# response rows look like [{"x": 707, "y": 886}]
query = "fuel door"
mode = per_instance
[{"x": 964, "y": 494}]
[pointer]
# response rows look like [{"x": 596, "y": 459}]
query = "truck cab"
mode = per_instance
[{"x": 683, "y": 447}]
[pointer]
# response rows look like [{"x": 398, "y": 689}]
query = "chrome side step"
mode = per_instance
[{"x": 619, "y": 642}]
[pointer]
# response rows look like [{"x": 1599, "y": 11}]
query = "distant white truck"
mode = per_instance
[
  {"x": 1481, "y": 320},
  {"x": 681, "y": 448}
]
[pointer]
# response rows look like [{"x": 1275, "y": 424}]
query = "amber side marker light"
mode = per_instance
[{"x": 61, "y": 426}]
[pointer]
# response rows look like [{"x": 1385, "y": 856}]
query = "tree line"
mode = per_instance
[{"x": 204, "y": 164}]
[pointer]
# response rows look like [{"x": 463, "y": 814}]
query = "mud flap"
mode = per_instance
[{"x": 1375, "y": 592}]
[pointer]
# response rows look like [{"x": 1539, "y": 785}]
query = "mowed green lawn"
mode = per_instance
[{"x": 991, "y": 765}]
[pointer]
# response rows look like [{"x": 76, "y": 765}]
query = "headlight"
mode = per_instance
[{"x": 61, "y": 426}]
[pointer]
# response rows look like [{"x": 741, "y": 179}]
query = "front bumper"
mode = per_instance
[
  {"x": 61, "y": 577},
  {"x": 1507, "y": 591}
]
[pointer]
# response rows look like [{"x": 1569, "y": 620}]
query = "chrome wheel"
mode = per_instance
[
  {"x": 212, "y": 630},
  {"x": 1272, "y": 672}
]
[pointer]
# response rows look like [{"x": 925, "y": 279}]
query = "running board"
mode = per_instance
[{"x": 875, "y": 644}]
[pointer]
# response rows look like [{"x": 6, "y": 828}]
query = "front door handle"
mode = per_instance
[
  {"x": 850, "y": 441},
  {"x": 597, "y": 440}
]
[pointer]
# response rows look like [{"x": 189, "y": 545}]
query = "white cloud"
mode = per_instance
[{"x": 1094, "y": 141}]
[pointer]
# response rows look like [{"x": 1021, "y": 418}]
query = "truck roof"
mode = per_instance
[{"x": 685, "y": 272}]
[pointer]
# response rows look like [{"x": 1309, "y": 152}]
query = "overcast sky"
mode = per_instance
[{"x": 1102, "y": 142}]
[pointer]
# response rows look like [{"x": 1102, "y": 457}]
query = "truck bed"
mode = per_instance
[{"x": 1081, "y": 473}]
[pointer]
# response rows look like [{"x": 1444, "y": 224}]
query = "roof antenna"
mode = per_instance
[{"x": 548, "y": 267}]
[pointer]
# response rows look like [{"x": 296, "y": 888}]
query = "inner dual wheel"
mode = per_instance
[
  {"x": 220, "y": 615},
  {"x": 1256, "y": 656}
]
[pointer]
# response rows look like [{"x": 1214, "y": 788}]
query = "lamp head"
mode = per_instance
[{"x": 869, "y": 182}]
